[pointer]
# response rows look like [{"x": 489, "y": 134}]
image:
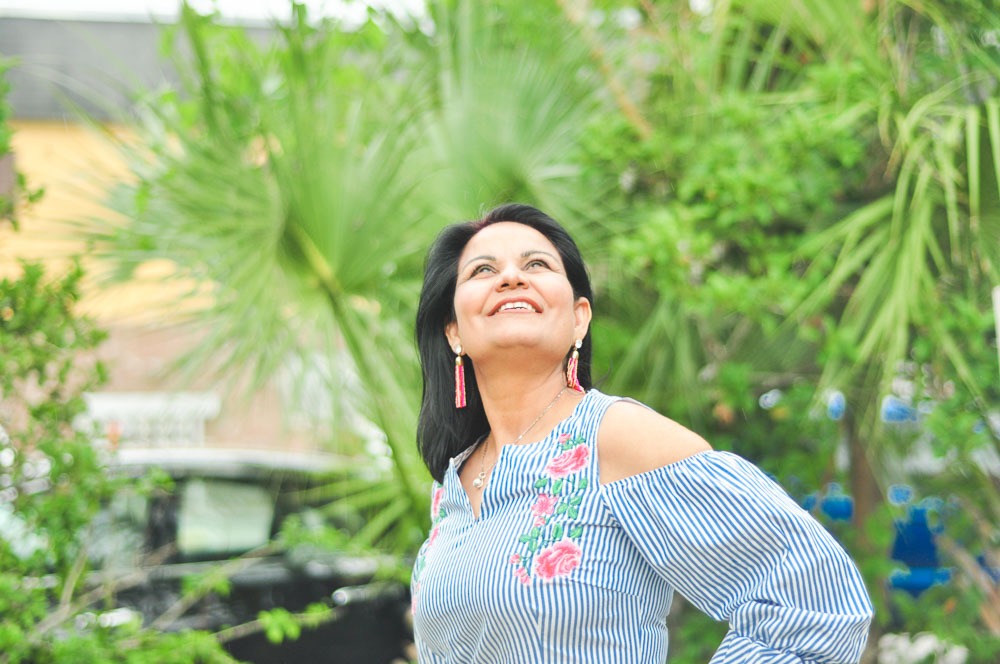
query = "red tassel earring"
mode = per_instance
[
  {"x": 459, "y": 378},
  {"x": 572, "y": 380}
]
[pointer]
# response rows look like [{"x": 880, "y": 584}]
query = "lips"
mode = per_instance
[{"x": 519, "y": 305}]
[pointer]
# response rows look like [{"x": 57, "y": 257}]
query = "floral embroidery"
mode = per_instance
[
  {"x": 558, "y": 560},
  {"x": 543, "y": 508},
  {"x": 568, "y": 462},
  {"x": 436, "y": 501},
  {"x": 551, "y": 542},
  {"x": 437, "y": 514}
]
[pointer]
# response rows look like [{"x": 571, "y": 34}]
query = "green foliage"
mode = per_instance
[
  {"x": 694, "y": 636},
  {"x": 53, "y": 471},
  {"x": 795, "y": 196},
  {"x": 20, "y": 191},
  {"x": 6, "y": 204},
  {"x": 953, "y": 617},
  {"x": 809, "y": 201},
  {"x": 54, "y": 483},
  {"x": 279, "y": 182},
  {"x": 279, "y": 625},
  {"x": 297, "y": 183},
  {"x": 962, "y": 432}
]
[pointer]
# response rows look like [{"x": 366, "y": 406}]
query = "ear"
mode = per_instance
[
  {"x": 582, "y": 315},
  {"x": 451, "y": 333}
]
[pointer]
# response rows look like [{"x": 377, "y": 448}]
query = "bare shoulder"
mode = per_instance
[{"x": 634, "y": 439}]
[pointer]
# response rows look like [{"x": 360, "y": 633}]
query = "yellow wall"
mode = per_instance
[
  {"x": 75, "y": 164},
  {"x": 72, "y": 163}
]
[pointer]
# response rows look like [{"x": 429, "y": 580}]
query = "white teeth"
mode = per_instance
[{"x": 509, "y": 306}]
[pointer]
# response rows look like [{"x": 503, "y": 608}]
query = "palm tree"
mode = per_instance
[
  {"x": 298, "y": 184},
  {"x": 280, "y": 183}
]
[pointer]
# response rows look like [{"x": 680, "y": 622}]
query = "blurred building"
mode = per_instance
[{"x": 72, "y": 84}]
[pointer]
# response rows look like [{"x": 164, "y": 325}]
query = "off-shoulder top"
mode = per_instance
[{"x": 560, "y": 568}]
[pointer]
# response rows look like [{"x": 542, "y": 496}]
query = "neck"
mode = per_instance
[{"x": 513, "y": 403}]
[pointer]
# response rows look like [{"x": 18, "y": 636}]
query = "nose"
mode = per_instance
[{"x": 510, "y": 276}]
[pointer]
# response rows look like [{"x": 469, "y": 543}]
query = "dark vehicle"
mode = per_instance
[{"x": 217, "y": 514}]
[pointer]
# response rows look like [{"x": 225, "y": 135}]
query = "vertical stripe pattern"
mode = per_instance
[{"x": 558, "y": 568}]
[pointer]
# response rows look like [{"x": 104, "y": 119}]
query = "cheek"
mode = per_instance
[{"x": 465, "y": 303}]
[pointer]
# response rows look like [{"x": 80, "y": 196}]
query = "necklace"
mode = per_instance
[{"x": 480, "y": 481}]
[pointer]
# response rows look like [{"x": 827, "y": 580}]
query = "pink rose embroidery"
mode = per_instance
[
  {"x": 545, "y": 505},
  {"x": 558, "y": 560},
  {"x": 568, "y": 462},
  {"x": 432, "y": 537},
  {"x": 522, "y": 576},
  {"x": 436, "y": 502},
  {"x": 551, "y": 544}
]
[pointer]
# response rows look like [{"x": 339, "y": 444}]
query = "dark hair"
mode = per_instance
[{"x": 444, "y": 431}]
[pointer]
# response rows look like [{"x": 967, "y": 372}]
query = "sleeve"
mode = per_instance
[{"x": 732, "y": 542}]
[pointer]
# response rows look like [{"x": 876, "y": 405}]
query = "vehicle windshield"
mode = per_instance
[
  {"x": 220, "y": 517},
  {"x": 205, "y": 518}
]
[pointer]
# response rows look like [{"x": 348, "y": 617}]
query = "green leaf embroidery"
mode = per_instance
[{"x": 564, "y": 487}]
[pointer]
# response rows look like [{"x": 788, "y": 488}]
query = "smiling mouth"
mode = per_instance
[{"x": 516, "y": 306}]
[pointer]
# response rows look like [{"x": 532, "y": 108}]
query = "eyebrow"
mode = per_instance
[{"x": 525, "y": 254}]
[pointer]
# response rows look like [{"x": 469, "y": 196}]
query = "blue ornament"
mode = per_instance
[
  {"x": 836, "y": 405},
  {"x": 770, "y": 399},
  {"x": 900, "y": 494},
  {"x": 837, "y": 505},
  {"x": 896, "y": 411}
]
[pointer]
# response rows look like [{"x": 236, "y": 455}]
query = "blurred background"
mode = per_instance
[{"x": 214, "y": 222}]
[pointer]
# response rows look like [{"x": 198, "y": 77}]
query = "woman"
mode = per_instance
[{"x": 563, "y": 518}]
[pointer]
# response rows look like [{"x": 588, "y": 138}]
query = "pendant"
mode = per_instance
[{"x": 478, "y": 482}]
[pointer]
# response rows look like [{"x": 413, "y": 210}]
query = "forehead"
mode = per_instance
[{"x": 507, "y": 237}]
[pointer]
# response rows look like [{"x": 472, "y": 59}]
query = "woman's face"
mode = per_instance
[{"x": 512, "y": 292}]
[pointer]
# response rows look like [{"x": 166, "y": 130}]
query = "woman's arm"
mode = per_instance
[{"x": 733, "y": 543}]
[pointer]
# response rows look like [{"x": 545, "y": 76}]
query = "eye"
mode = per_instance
[
  {"x": 480, "y": 269},
  {"x": 536, "y": 262}
]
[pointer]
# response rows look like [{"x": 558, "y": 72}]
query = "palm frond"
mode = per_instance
[
  {"x": 506, "y": 123},
  {"x": 286, "y": 186}
]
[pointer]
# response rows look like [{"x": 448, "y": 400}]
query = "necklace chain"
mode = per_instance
[{"x": 480, "y": 480}]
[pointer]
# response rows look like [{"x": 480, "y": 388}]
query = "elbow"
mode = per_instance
[{"x": 848, "y": 637}]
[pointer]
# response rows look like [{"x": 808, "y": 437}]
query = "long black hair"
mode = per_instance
[{"x": 444, "y": 431}]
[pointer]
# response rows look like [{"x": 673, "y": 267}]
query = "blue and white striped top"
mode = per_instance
[{"x": 558, "y": 568}]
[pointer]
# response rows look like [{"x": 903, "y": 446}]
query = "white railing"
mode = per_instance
[{"x": 148, "y": 419}]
